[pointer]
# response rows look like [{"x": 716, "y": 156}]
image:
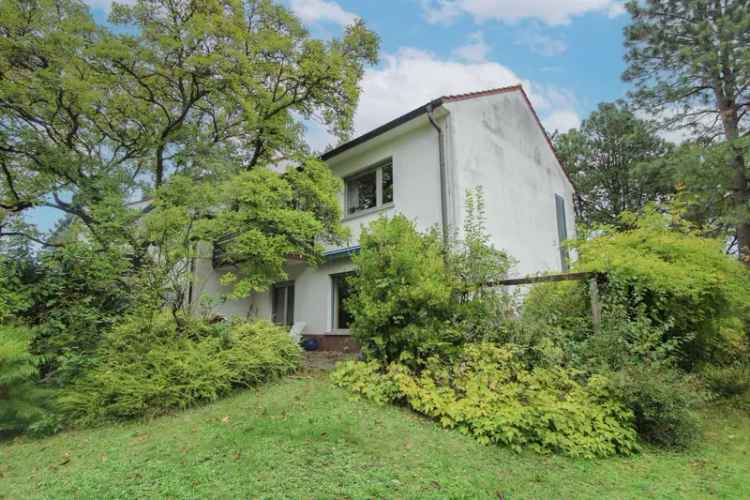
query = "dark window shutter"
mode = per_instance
[{"x": 562, "y": 230}]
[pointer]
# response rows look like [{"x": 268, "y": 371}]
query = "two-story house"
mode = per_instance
[{"x": 421, "y": 165}]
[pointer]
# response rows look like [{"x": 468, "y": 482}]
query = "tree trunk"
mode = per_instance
[
  {"x": 741, "y": 193},
  {"x": 741, "y": 196},
  {"x": 159, "y": 172}
]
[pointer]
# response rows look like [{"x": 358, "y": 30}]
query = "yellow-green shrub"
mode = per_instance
[
  {"x": 489, "y": 393},
  {"x": 677, "y": 279},
  {"x": 148, "y": 367}
]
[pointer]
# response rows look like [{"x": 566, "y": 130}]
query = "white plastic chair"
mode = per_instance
[{"x": 296, "y": 331}]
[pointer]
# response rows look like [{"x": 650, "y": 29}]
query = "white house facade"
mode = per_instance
[{"x": 421, "y": 165}]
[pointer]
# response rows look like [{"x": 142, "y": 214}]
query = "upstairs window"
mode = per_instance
[{"x": 371, "y": 189}]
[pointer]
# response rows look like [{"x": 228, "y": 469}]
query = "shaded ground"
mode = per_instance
[
  {"x": 303, "y": 438},
  {"x": 324, "y": 361}
]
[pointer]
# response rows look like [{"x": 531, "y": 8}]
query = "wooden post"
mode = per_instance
[{"x": 596, "y": 305}]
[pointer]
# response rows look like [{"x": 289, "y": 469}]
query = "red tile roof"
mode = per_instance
[{"x": 481, "y": 93}]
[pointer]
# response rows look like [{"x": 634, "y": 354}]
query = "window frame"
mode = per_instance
[
  {"x": 335, "y": 278},
  {"x": 284, "y": 285},
  {"x": 379, "y": 204}
]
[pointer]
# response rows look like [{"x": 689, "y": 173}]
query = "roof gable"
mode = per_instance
[{"x": 411, "y": 115}]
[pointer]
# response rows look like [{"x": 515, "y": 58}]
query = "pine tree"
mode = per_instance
[{"x": 690, "y": 63}]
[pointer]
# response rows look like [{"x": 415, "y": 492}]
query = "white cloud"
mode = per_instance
[
  {"x": 474, "y": 51},
  {"x": 562, "y": 121},
  {"x": 551, "y": 12},
  {"x": 411, "y": 77},
  {"x": 616, "y": 9},
  {"x": 541, "y": 44},
  {"x": 311, "y": 11}
]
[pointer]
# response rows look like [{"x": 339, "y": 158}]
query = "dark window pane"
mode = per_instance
[
  {"x": 361, "y": 192},
  {"x": 282, "y": 304},
  {"x": 290, "y": 305},
  {"x": 562, "y": 231},
  {"x": 278, "y": 305},
  {"x": 343, "y": 291},
  {"x": 387, "y": 183}
]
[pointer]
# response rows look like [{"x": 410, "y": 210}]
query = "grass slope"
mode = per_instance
[{"x": 303, "y": 438}]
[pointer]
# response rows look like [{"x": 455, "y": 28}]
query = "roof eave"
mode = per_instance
[{"x": 405, "y": 118}]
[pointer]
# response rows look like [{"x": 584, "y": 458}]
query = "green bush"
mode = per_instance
[
  {"x": 662, "y": 400},
  {"x": 22, "y": 403},
  {"x": 403, "y": 299},
  {"x": 368, "y": 380},
  {"x": 148, "y": 367},
  {"x": 678, "y": 280},
  {"x": 257, "y": 352},
  {"x": 489, "y": 393},
  {"x": 79, "y": 294},
  {"x": 413, "y": 298},
  {"x": 727, "y": 381}
]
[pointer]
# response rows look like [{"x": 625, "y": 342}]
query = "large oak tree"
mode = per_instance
[{"x": 199, "y": 105}]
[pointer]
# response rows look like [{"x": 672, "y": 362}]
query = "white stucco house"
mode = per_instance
[{"x": 421, "y": 165}]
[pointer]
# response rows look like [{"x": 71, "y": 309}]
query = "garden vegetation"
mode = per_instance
[
  {"x": 541, "y": 375},
  {"x": 170, "y": 135},
  {"x": 176, "y": 133}
]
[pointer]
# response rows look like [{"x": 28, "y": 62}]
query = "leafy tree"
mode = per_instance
[
  {"x": 92, "y": 117},
  {"x": 690, "y": 63},
  {"x": 606, "y": 159},
  {"x": 197, "y": 105},
  {"x": 256, "y": 220},
  {"x": 703, "y": 187}
]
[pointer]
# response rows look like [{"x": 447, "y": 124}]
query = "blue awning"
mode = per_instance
[{"x": 340, "y": 253}]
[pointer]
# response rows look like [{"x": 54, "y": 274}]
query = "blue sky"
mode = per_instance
[{"x": 567, "y": 53}]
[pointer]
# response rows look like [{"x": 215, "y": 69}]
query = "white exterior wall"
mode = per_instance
[
  {"x": 413, "y": 149},
  {"x": 416, "y": 175},
  {"x": 495, "y": 142}
]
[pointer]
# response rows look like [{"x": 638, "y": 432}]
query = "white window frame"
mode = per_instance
[{"x": 379, "y": 205}]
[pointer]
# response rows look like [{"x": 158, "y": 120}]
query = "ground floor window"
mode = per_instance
[
  {"x": 283, "y": 303},
  {"x": 342, "y": 319}
]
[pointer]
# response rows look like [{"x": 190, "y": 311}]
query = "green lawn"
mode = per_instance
[{"x": 303, "y": 438}]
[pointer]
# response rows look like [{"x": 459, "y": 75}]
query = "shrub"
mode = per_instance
[
  {"x": 413, "y": 298},
  {"x": 367, "y": 379},
  {"x": 662, "y": 400},
  {"x": 79, "y": 294},
  {"x": 403, "y": 300},
  {"x": 727, "y": 381},
  {"x": 678, "y": 280},
  {"x": 257, "y": 352},
  {"x": 148, "y": 366},
  {"x": 21, "y": 401},
  {"x": 489, "y": 393}
]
